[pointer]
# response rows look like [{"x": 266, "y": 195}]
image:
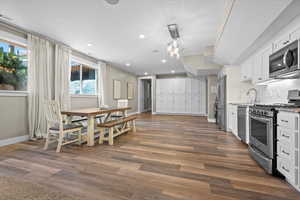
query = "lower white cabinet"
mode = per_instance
[
  {"x": 232, "y": 117},
  {"x": 181, "y": 96},
  {"x": 288, "y": 146}
]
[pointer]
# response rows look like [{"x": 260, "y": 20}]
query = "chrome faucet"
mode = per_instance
[{"x": 253, "y": 89}]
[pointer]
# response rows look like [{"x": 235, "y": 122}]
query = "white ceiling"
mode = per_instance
[
  {"x": 114, "y": 31},
  {"x": 247, "y": 21}
]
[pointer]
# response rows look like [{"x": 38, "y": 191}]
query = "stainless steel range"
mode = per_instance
[{"x": 262, "y": 141}]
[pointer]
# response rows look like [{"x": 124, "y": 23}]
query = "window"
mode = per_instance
[
  {"x": 13, "y": 66},
  {"x": 83, "y": 79}
]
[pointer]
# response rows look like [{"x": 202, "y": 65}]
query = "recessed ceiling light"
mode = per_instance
[
  {"x": 128, "y": 64},
  {"x": 146, "y": 73},
  {"x": 163, "y": 60},
  {"x": 173, "y": 71},
  {"x": 89, "y": 45},
  {"x": 141, "y": 36},
  {"x": 112, "y": 2}
]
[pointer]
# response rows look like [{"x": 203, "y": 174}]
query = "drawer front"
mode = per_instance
[
  {"x": 288, "y": 120},
  {"x": 285, "y": 167},
  {"x": 284, "y": 134},
  {"x": 284, "y": 150}
]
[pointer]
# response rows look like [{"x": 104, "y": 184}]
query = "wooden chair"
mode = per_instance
[
  {"x": 57, "y": 130},
  {"x": 121, "y": 103}
]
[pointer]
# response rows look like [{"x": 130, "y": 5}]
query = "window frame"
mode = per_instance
[
  {"x": 89, "y": 65},
  {"x": 20, "y": 42}
]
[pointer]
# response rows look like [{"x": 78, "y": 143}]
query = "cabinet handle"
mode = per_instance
[
  {"x": 286, "y": 42},
  {"x": 260, "y": 79},
  {"x": 285, "y": 169},
  {"x": 286, "y": 153},
  {"x": 286, "y": 121},
  {"x": 286, "y": 136}
]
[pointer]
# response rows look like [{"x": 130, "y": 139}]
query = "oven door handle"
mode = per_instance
[{"x": 261, "y": 119}]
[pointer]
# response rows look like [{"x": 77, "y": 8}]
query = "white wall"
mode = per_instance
[
  {"x": 235, "y": 89},
  {"x": 13, "y": 116}
]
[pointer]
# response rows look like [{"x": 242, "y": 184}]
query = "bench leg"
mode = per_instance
[
  {"x": 102, "y": 131},
  {"x": 111, "y": 136},
  {"x": 133, "y": 126}
]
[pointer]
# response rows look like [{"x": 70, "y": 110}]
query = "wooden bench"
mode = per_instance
[{"x": 115, "y": 129}]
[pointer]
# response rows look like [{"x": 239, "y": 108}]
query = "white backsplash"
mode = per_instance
[{"x": 277, "y": 92}]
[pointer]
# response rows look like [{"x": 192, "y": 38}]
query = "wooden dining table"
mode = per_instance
[{"x": 91, "y": 113}]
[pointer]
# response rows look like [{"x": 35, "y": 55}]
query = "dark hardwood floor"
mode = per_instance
[{"x": 169, "y": 157}]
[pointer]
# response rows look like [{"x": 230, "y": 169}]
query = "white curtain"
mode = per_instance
[
  {"x": 40, "y": 71},
  {"x": 102, "y": 83},
  {"x": 62, "y": 76}
]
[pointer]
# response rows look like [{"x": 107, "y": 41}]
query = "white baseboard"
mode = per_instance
[
  {"x": 14, "y": 140},
  {"x": 211, "y": 120}
]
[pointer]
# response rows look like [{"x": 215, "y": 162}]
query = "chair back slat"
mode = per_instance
[{"x": 52, "y": 112}]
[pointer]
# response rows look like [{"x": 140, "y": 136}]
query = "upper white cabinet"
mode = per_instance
[
  {"x": 295, "y": 35},
  {"x": 246, "y": 70},
  {"x": 286, "y": 39},
  {"x": 256, "y": 67},
  {"x": 281, "y": 42}
]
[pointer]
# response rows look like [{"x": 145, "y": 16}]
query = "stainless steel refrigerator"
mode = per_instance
[{"x": 221, "y": 103}]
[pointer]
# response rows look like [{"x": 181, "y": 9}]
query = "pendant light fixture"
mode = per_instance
[{"x": 173, "y": 46}]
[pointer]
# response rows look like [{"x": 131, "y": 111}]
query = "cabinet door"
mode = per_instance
[
  {"x": 188, "y": 103},
  {"x": 179, "y": 103},
  {"x": 257, "y": 68},
  {"x": 179, "y": 86},
  {"x": 246, "y": 70},
  {"x": 295, "y": 35},
  {"x": 229, "y": 116},
  {"x": 281, "y": 42}
]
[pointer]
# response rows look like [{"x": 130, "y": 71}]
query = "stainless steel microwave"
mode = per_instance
[{"x": 284, "y": 64}]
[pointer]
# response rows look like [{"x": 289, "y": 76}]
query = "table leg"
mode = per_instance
[{"x": 91, "y": 131}]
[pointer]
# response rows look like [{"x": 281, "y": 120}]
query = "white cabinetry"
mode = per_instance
[
  {"x": 246, "y": 70},
  {"x": 295, "y": 34},
  {"x": 288, "y": 146},
  {"x": 232, "y": 118},
  {"x": 256, "y": 67},
  {"x": 281, "y": 42},
  {"x": 181, "y": 96}
]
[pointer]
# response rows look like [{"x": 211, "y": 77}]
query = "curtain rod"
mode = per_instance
[{"x": 24, "y": 31}]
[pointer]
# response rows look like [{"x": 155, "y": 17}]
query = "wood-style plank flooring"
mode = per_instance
[{"x": 169, "y": 157}]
